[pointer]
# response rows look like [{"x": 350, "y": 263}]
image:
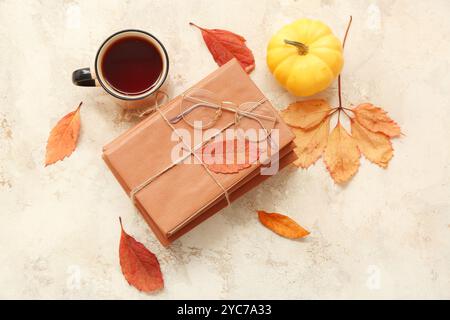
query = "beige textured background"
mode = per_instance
[{"x": 385, "y": 235}]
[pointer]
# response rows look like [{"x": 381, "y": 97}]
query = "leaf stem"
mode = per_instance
[
  {"x": 333, "y": 112},
  {"x": 193, "y": 24},
  {"x": 339, "y": 77},
  {"x": 346, "y": 31},
  {"x": 120, "y": 220},
  {"x": 339, "y": 92},
  {"x": 348, "y": 109},
  {"x": 343, "y": 110}
]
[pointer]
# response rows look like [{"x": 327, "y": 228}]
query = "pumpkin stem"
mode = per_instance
[{"x": 301, "y": 47}]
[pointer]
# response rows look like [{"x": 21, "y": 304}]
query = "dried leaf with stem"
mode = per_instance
[
  {"x": 63, "y": 138},
  {"x": 140, "y": 267},
  {"x": 371, "y": 131},
  {"x": 225, "y": 45}
]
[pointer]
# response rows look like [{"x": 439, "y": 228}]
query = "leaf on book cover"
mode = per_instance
[
  {"x": 306, "y": 114},
  {"x": 282, "y": 225},
  {"x": 139, "y": 266},
  {"x": 63, "y": 137},
  {"x": 341, "y": 155},
  {"x": 225, "y": 45},
  {"x": 375, "y": 146},
  {"x": 376, "y": 120},
  {"x": 229, "y": 156}
]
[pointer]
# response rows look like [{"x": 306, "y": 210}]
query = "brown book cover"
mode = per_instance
[{"x": 185, "y": 195}]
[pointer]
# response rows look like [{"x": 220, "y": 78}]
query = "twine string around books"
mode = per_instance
[{"x": 193, "y": 151}]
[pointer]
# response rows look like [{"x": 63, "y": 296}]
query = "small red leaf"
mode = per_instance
[
  {"x": 229, "y": 156},
  {"x": 139, "y": 266},
  {"x": 225, "y": 45}
]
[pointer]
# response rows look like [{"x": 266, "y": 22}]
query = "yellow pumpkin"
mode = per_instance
[{"x": 305, "y": 57}]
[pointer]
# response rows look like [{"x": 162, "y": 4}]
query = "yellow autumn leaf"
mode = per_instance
[
  {"x": 376, "y": 147},
  {"x": 63, "y": 137},
  {"x": 376, "y": 120},
  {"x": 306, "y": 114},
  {"x": 341, "y": 155},
  {"x": 311, "y": 143}
]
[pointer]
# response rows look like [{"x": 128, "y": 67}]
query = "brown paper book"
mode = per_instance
[{"x": 182, "y": 197}]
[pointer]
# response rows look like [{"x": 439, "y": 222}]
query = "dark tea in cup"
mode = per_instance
[{"x": 131, "y": 65}]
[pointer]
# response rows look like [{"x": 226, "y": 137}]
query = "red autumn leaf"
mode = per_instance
[
  {"x": 139, "y": 266},
  {"x": 225, "y": 45},
  {"x": 229, "y": 156},
  {"x": 63, "y": 137}
]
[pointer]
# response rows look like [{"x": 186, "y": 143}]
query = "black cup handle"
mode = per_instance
[{"x": 83, "y": 78}]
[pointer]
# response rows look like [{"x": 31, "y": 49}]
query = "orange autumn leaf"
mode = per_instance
[
  {"x": 376, "y": 120},
  {"x": 229, "y": 156},
  {"x": 341, "y": 151},
  {"x": 63, "y": 137},
  {"x": 376, "y": 147},
  {"x": 306, "y": 114},
  {"x": 282, "y": 225},
  {"x": 139, "y": 266},
  {"x": 341, "y": 155},
  {"x": 310, "y": 144}
]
